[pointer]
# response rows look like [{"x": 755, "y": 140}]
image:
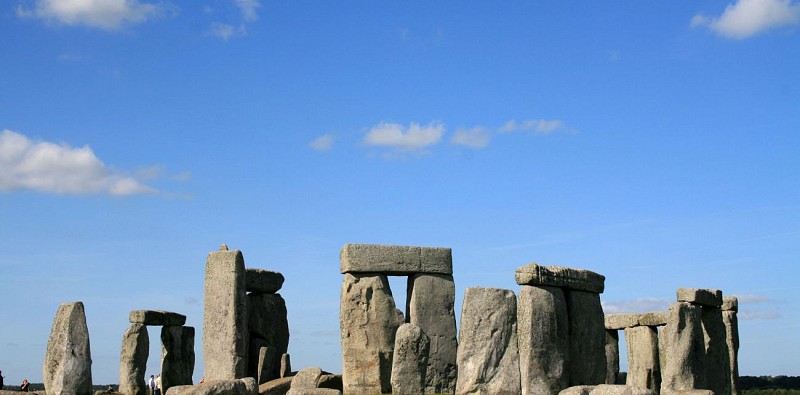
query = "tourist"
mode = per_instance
[
  {"x": 25, "y": 387},
  {"x": 152, "y": 384},
  {"x": 158, "y": 384},
  {"x": 1, "y": 380}
]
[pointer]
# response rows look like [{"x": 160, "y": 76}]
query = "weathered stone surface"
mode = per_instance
[
  {"x": 266, "y": 370},
  {"x": 177, "y": 356},
  {"x": 730, "y": 303},
  {"x": 332, "y": 381},
  {"x": 286, "y": 365},
  {"x": 653, "y": 318},
  {"x": 577, "y": 390},
  {"x": 703, "y": 297},
  {"x": 268, "y": 326},
  {"x": 133, "y": 360},
  {"x": 245, "y": 386},
  {"x": 263, "y": 281},
  {"x": 276, "y": 387},
  {"x": 307, "y": 378},
  {"x": 732, "y": 339},
  {"x": 607, "y": 389},
  {"x": 411, "y": 347},
  {"x": 395, "y": 260},
  {"x": 313, "y": 391},
  {"x": 543, "y": 333},
  {"x": 430, "y": 305},
  {"x": 156, "y": 318},
  {"x": 681, "y": 349},
  {"x": 717, "y": 359},
  {"x": 687, "y": 392},
  {"x": 557, "y": 276},
  {"x": 225, "y": 335},
  {"x": 67, "y": 366},
  {"x": 644, "y": 369},
  {"x": 612, "y": 356},
  {"x": 253, "y": 359},
  {"x": 488, "y": 355},
  {"x": 368, "y": 320},
  {"x": 621, "y": 321},
  {"x": 587, "y": 338}
]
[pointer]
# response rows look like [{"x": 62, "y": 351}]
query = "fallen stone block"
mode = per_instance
[
  {"x": 307, "y": 378},
  {"x": 313, "y": 391},
  {"x": 245, "y": 386},
  {"x": 276, "y": 387},
  {"x": 557, "y": 276},
  {"x": 67, "y": 366},
  {"x": 157, "y": 318},
  {"x": 703, "y": 297},
  {"x": 395, "y": 260},
  {"x": 687, "y": 392},
  {"x": 575, "y": 390},
  {"x": 263, "y": 281},
  {"x": 609, "y": 389}
]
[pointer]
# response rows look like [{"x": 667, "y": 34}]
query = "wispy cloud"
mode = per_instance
[
  {"x": 747, "y": 315},
  {"x": 248, "y": 9},
  {"x": 640, "y": 305},
  {"x": 322, "y": 143},
  {"x": 746, "y": 18},
  {"x": 404, "y": 138},
  {"x": 59, "y": 168},
  {"x": 540, "y": 126},
  {"x": 475, "y": 137},
  {"x": 226, "y": 32},
  {"x": 103, "y": 14}
]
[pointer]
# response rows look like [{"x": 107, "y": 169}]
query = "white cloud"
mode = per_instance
[
  {"x": 641, "y": 305},
  {"x": 225, "y": 32},
  {"x": 747, "y": 18},
  {"x": 248, "y": 8},
  {"x": 323, "y": 143},
  {"x": 397, "y": 136},
  {"x": 540, "y": 126},
  {"x": 752, "y": 299},
  {"x": 59, "y": 168},
  {"x": 103, "y": 14},
  {"x": 475, "y": 137},
  {"x": 758, "y": 315}
]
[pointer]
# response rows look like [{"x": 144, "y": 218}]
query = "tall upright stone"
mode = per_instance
[
  {"x": 67, "y": 368},
  {"x": 488, "y": 356},
  {"x": 410, "y": 364},
  {"x": 682, "y": 349},
  {"x": 612, "y": 356},
  {"x": 225, "y": 336},
  {"x": 368, "y": 319},
  {"x": 543, "y": 333},
  {"x": 717, "y": 359},
  {"x": 268, "y": 327},
  {"x": 430, "y": 305},
  {"x": 133, "y": 360},
  {"x": 587, "y": 338},
  {"x": 177, "y": 356},
  {"x": 644, "y": 369},
  {"x": 730, "y": 307}
]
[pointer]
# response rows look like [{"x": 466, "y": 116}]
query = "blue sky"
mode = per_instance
[{"x": 655, "y": 143}]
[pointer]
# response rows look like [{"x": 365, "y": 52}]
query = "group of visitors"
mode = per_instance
[
  {"x": 25, "y": 387},
  {"x": 154, "y": 385}
]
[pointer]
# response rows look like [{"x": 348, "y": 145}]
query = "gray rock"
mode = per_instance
[
  {"x": 313, "y": 391},
  {"x": 557, "y": 276},
  {"x": 687, "y": 392},
  {"x": 430, "y": 305},
  {"x": 577, "y": 390},
  {"x": 587, "y": 338},
  {"x": 133, "y": 360},
  {"x": 332, "y": 381},
  {"x": 730, "y": 303},
  {"x": 286, "y": 365},
  {"x": 245, "y": 386},
  {"x": 717, "y": 359},
  {"x": 681, "y": 349},
  {"x": 653, "y": 318},
  {"x": 267, "y": 322},
  {"x": 266, "y": 370},
  {"x": 276, "y": 387},
  {"x": 543, "y": 333},
  {"x": 703, "y": 297},
  {"x": 732, "y": 338},
  {"x": 644, "y": 369},
  {"x": 488, "y": 355},
  {"x": 621, "y": 321},
  {"x": 263, "y": 281},
  {"x": 157, "y": 318},
  {"x": 612, "y": 356},
  {"x": 411, "y": 348},
  {"x": 307, "y": 378},
  {"x": 225, "y": 335},
  {"x": 67, "y": 368},
  {"x": 177, "y": 356},
  {"x": 395, "y": 260},
  {"x": 607, "y": 389},
  {"x": 368, "y": 320}
]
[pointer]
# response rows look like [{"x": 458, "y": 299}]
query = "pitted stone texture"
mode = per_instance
[
  {"x": 557, "y": 276},
  {"x": 653, "y": 318},
  {"x": 133, "y": 360},
  {"x": 157, "y": 318},
  {"x": 395, "y": 260},
  {"x": 245, "y": 386},
  {"x": 732, "y": 338},
  {"x": 621, "y": 321},
  {"x": 368, "y": 320},
  {"x": 612, "y": 355},
  {"x": 313, "y": 391},
  {"x": 177, "y": 356},
  {"x": 643, "y": 366},
  {"x": 488, "y": 355},
  {"x": 543, "y": 333},
  {"x": 606, "y": 389},
  {"x": 225, "y": 335},
  {"x": 587, "y": 338},
  {"x": 263, "y": 281},
  {"x": 332, "y": 381},
  {"x": 411, "y": 348},
  {"x": 286, "y": 365},
  {"x": 276, "y": 387},
  {"x": 703, "y": 297},
  {"x": 717, "y": 359},
  {"x": 266, "y": 370},
  {"x": 267, "y": 320},
  {"x": 687, "y": 392},
  {"x": 681, "y": 349},
  {"x": 67, "y": 366},
  {"x": 430, "y": 305},
  {"x": 730, "y": 303},
  {"x": 307, "y": 378}
]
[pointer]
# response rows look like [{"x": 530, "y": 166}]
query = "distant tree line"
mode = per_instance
[{"x": 769, "y": 382}]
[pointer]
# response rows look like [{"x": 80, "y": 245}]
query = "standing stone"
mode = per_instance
[
  {"x": 612, "y": 355},
  {"x": 67, "y": 366},
  {"x": 430, "y": 305},
  {"x": 225, "y": 336},
  {"x": 286, "y": 365},
  {"x": 681, "y": 349},
  {"x": 177, "y": 356},
  {"x": 644, "y": 370},
  {"x": 717, "y": 358},
  {"x": 732, "y": 338},
  {"x": 266, "y": 369},
  {"x": 133, "y": 360},
  {"x": 543, "y": 340},
  {"x": 268, "y": 326},
  {"x": 488, "y": 355},
  {"x": 411, "y": 348},
  {"x": 587, "y": 338},
  {"x": 368, "y": 320}
]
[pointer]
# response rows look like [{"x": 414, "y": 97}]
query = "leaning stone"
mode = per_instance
[
  {"x": 225, "y": 336},
  {"x": 717, "y": 359},
  {"x": 488, "y": 354},
  {"x": 612, "y": 356},
  {"x": 430, "y": 305},
  {"x": 653, "y": 318},
  {"x": 368, "y": 320},
  {"x": 266, "y": 370},
  {"x": 411, "y": 347},
  {"x": 557, "y": 276},
  {"x": 306, "y": 378},
  {"x": 267, "y": 322},
  {"x": 608, "y": 389},
  {"x": 732, "y": 338},
  {"x": 395, "y": 260},
  {"x": 730, "y": 303},
  {"x": 133, "y": 360},
  {"x": 157, "y": 318},
  {"x": 681, "y": 349},
  {"x": 703, "y": 297},
  {"x": 621, "y": 321},
  {"x": 587, "y": 338},
  {"x": 644, "y": 370},
  {"x": 276, "y": 387},
  {"x": 543, "y": 333},
  {"x": 67, "y": 366},
  {"x": 177, "y": 356},
  {"x": 286, "y": 365},
  {"x": 245, "y": 386},
  {"x": 263, "y": 281}
]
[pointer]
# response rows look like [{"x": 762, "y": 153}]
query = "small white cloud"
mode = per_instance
[
  {"x": 747, "y": 315},
  {"x": 539, "y": 126},
  {"x": 752, "y": 299},
  {"x": 413, "y": 137},
  {"x": 475, "y": 137},
  {"x": 226, "y": 32},
  {"x": 249, "y": 9},
  {"x": 746, "y": 18},
  {"x": 641, "y": 305},
  {"x": 322, "y": 143},
  {"x": 59, "y": 168},
  {"x": 103, "y": 14}
]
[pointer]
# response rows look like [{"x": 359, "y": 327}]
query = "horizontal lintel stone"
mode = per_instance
[
  {"x": 621, "y": 321},
  {"x": 557, "y": 276},
  {"x": 157, "y": 318},
  {"x": 653, "y": 318},
  {"x": 262, "y": 281},
  {"x": 703, "y": 297},
  {"x": 730, "y": 303},
  {"x": 395, "y": 260}
]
